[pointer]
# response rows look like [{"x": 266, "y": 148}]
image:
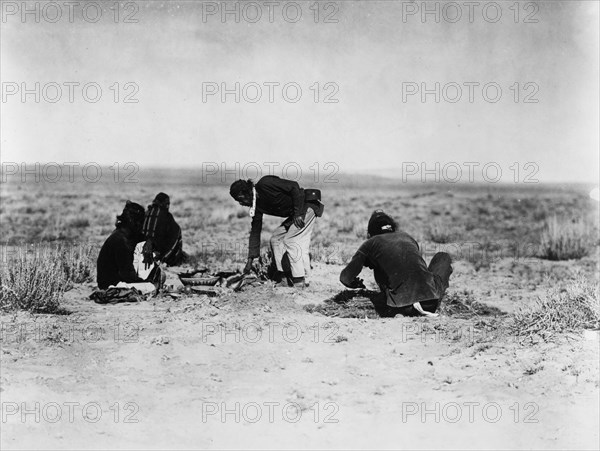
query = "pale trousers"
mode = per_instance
[{"x": 296, "y": 242}]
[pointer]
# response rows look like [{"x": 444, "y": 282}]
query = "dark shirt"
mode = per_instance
[
  {"x": 162, "y": 230},
  {"x": 398, "y": 268},
  {"x": 276, "y": 197},
  {"x": 115, "y": 260}
]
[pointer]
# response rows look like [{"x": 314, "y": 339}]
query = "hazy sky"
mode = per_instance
[{"x": 371, "y": 57}]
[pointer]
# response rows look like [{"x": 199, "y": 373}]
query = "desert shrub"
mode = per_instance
[
  {"x": 481, "y": 255},
  {"x": 347, "y": 226},
  {"x": 32, "y": 281},
  {"x": 219, "y": 216},
  {"x": 347, "y": 304},
  {"x": 565, "y": 239},
  {"x": 79, "y": 223},
  {"x": 78, "y": 262},
  {"x": 439, "y": 232},
  {"x": 571, "y": 307},
  {"x": 34, "y": 278}
]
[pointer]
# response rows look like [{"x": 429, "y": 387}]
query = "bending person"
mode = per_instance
[
  {"x": 290, "y": 242},
  {"x": 408, "y": 285}
]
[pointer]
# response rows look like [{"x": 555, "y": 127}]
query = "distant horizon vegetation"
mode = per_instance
[{"x": 370, "y": 177}]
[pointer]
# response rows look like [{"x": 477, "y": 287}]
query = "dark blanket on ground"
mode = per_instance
[{"x": 116, "y": 295}]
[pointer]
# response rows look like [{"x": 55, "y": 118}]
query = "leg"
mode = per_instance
[
  {"x": 441, "y": 266},
  {"x": 277, "y": 246},
  {"x": 383, "y": 309},
  {"x": 381, "y": 306},
  {"x": 305, "y": 241},
  {"x": 297, "y": 244}
]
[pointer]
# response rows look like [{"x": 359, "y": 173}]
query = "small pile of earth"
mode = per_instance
[
  {"x": 347, "y": 304},
  {"x": 463, "y": 305},
  {"x": 358, "y": 304}
]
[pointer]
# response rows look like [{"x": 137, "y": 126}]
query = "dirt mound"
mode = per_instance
[
  {"x": 358, "y": 304},
  {"x": 463, "y": 305},
  {"x": 347, "y": 304}
]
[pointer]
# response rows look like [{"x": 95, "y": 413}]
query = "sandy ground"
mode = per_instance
[{"x": 255, "y": 370}]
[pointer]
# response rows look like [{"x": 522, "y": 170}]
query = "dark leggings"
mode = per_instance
[{"x": 441, "y": 267}]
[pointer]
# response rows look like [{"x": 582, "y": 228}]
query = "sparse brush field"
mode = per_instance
[{"x": 516, "y": 329}]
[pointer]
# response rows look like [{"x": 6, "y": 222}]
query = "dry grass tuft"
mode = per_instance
[
  {"x": 462, "y": 304},
  {"x": 78, "y": 262},
  {"x": 568, "y": 308},
  {"x": 440, "y": 231},
  {"x": 566, "y": 239}
]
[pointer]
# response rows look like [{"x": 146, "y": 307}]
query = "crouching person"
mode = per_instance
[
  {"x": 290, "y": 242},
  {"x": 163, "y": 234},
  {"x": 115, "y": 260},
  {"x": 408, "y": 285}
]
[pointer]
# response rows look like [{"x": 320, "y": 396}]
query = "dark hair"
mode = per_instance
[
  {"x": 162, "y": 200},
  {"x": 132, "y": 216},
  {"x": 241, "y": 187},
  {"x": 381, "y": 222}
]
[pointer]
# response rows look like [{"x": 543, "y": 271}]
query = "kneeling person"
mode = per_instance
[
  {"x": 408, "y": 285},
  {"x": 163, "y": 234},
  {"x": 115, "y": 260}
]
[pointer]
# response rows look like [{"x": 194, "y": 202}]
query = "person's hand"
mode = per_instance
[
  {"x": 148, "y": 260},
  {"x": 357, "y": 283},
  {"x": 147, "y": 263},
  {"x": 248, "y": 266},
  {"x": 148, "y": 254},
  {"x": 299, "y": 221}
]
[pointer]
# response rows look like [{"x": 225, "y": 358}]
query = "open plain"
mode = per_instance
[{"x": 292, "y": 368}]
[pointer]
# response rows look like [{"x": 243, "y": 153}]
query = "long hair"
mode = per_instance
[
  {"x": 161, "y": 200},
  {"x": 131, "y": 217}
]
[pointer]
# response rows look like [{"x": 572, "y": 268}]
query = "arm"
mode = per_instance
[
  {"x": 149, "y": 231},
  {"x": 175, "y": 239},
  {"x": 296, "y": 198},
  {"x": 149, "y": 224},
  {"x": 254, "y": 243},
  {"x": 349, "y": 274}
]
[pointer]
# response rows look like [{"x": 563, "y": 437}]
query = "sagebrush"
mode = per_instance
[
  {"x": 32, "y": 280},
  {"x": 35, "y": 277}
]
